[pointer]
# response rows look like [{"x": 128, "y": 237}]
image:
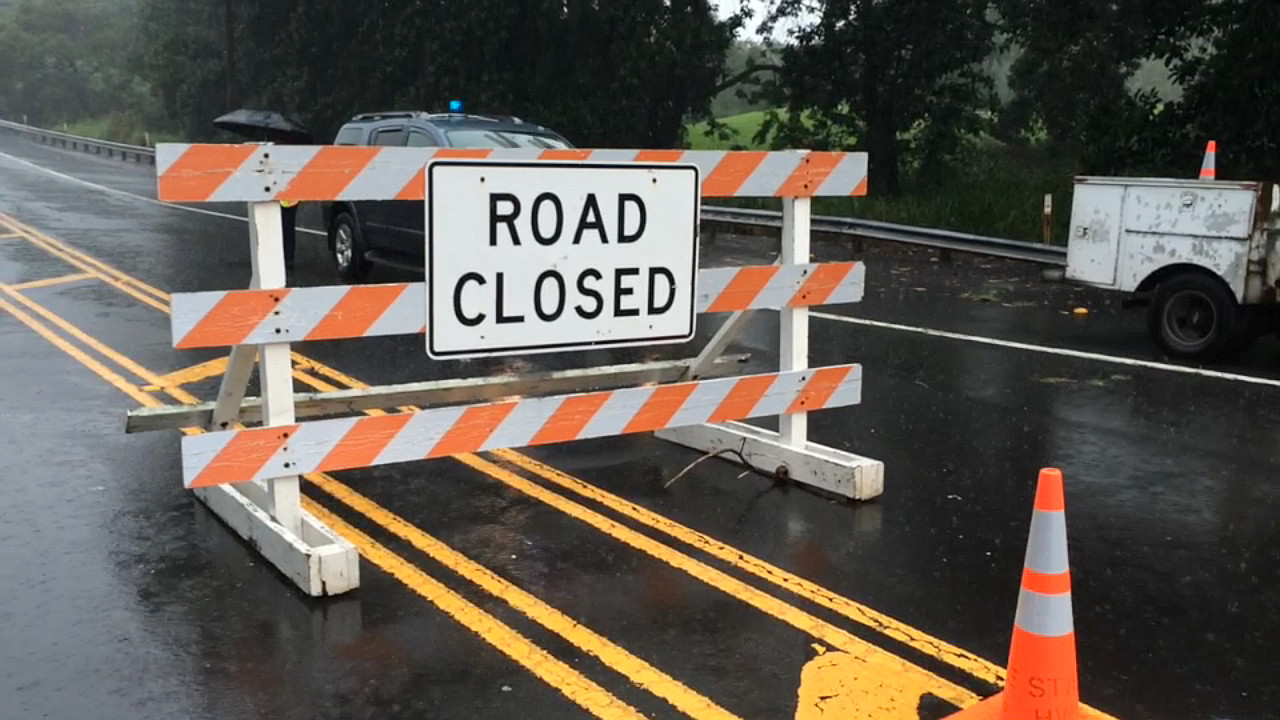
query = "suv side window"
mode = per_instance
[
  {"x": 393, "y": 137},
  {"x": 420, "y": 138},
  {"x": 350, "y": 136}
]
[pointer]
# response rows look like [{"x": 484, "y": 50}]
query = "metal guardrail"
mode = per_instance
[
  {"x": 76, "y": 142},
  {"x": 855, "y": 227},
  {"x": 906, "y": 234}
]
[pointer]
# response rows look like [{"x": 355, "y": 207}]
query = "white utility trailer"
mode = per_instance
[{"x": 1203, "y": 255}]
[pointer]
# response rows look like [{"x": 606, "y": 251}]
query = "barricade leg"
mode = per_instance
[
  {"x": 235, "y": 380},
  {"x": 793, "y": 323},
  {"x": 787, "y": 453},
  {"x": 269, "y": 515}
]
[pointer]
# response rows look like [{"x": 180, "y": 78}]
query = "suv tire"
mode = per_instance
[
  {"x": 346, "y": 248},
  {"x": 1195, "y": 317}
]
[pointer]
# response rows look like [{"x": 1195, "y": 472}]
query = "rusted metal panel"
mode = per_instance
[
  {"x": 1187, "y": 224},
  {"x": 1225, "y": 213},
  {"x": 1144, "y": 254},
  {"x": 1125, "y": 229}
]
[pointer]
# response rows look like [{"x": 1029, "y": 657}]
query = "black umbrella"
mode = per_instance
[{"x": 264, "y": 125}]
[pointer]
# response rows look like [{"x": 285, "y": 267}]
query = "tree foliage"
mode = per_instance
[
  {"x": 748, "y": 65},
  {"x": 603, "y": 73},
  {"x": 1074, "y": 81},
  {"x": 63, "y": 60},
  {"x": 886, "y": 75},
  {"x": 1071, "y": 80},
  {"x": 1227, "y": 62},
  {"x": 908, "y": 80}
]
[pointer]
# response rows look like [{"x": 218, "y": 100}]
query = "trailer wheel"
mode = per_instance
[{"x": 1195, "y": 317}]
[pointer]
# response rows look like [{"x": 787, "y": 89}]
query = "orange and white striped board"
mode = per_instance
[
  {"x": 255, "y": 317},
  {"x": 314, "y": 173},
  {"x": 238, "y": 456}
]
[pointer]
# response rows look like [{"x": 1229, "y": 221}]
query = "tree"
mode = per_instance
[
  {"x": 1227, "y": 63},
  {"x": 872, "y": 71},
  {"x": 1071, "y": 79},
  {"x": 748, "y": 65},
  {"x": 603, "y": 73},
  {"x": 63, "y": 60},
  {"x": 8, "y": 65},
  {"x": 182, "y": 57}
]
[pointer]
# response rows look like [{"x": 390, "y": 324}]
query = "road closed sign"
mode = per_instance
[{"x": 534, "y": 257}]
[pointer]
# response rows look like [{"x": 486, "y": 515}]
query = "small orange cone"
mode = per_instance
[
  {"x": 1209, "y": 168},
  {"x": 1041, "y": 682}
]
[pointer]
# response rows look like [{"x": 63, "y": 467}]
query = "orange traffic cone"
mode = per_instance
[
  {"x": 1041, "y": 682},
  {"x": 1209, "y": 168}
]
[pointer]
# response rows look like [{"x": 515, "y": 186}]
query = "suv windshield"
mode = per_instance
[{"x": 472, "y": 138}]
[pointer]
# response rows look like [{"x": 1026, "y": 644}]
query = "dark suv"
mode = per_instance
[{"x": 390, "y": 232}]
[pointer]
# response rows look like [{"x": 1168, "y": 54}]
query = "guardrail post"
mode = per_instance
[
  {"x": 275, "y": 369},
  {"x": 793, "y": 323}
]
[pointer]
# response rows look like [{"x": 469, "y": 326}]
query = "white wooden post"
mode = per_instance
[
  {"x": 275, "y": 368},
  {"x": 793, "y": 323}
]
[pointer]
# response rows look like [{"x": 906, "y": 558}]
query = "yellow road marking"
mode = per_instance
[
  {"x": 194, "y": 373},
  {"x": 830, "y": 689},
  {"x": 74, "y": 258},
  {"x": 49, "y": 282},
  {"x": 127, "y": 284},
  {"x": 636, "y": 670},
  {"x": 568, "y": 681},
  {"x": 833, "y": 687},
  {"x": 892, "y": 673},
  {"x": 80, "y": 335},
  {"x": 331, "y": 373},
  {"x": 93, "y": 365},
  {"x": 903, "y": 633},
  {"x": 7, "y": 236},
  {"x": 576, "y": 686},
  {"x": 102, "y": 267}
]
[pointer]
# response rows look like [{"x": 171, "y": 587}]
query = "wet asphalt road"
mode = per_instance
[{"x": 122, "y": 596}]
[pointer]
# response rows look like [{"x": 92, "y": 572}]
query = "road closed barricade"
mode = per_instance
[{"x": 526, "y": 252}]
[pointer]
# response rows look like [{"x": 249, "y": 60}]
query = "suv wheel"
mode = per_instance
[{"x": 346, "y": 247}]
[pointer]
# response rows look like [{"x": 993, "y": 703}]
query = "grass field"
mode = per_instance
[
  {"x": 743, "y": 127},
  {"x": 994, "y": 189}
]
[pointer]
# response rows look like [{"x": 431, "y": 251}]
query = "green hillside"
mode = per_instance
[{"x": 743, "y": 126}]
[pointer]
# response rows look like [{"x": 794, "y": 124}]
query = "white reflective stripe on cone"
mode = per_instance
[
  {"x": 1044, "y": 615},
  {"x": 1047, "y": 543}
]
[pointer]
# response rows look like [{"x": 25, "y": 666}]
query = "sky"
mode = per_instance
[{"x": 726, "y": 7}]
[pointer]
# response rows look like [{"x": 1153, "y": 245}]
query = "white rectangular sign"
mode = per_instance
[{"x": 531, "y": 257}]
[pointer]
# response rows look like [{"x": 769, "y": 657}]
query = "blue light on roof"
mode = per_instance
[{"x": 455, "y": 106}]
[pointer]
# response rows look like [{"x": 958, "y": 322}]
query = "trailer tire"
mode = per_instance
[{"x": 1194, "y": 316}]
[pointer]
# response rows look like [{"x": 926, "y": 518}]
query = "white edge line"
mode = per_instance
[
  {"x": 135, "y": 196},
  {"x": 1080, "y": 354}
]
